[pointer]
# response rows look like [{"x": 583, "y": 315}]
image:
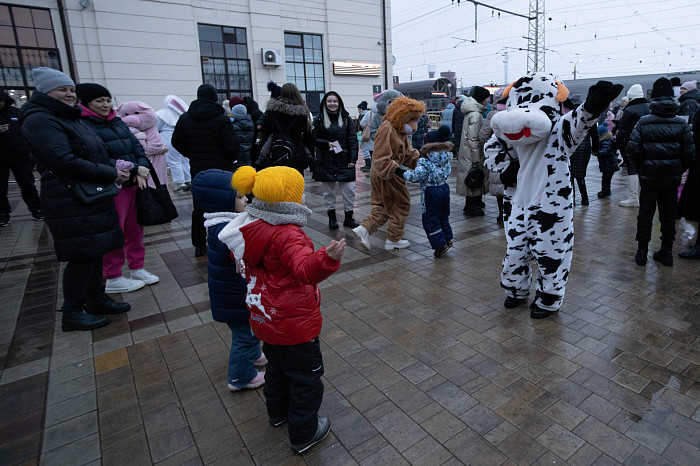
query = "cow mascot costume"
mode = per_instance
[{"x": 530, "y": 147}]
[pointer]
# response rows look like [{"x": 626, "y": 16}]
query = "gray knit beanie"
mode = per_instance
[
  {"x": 239, "y": 111},
  {"x": 48, "y": 79}
]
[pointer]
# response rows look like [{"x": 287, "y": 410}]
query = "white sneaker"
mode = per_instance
[
  {"x": 363, "y": 235},
  {"x": 146, "y": 277},
  {"x": 261, "y": 361},
  {"x": 123, "y": 285},
  {"x": 179, "y": 187},
  {"x": 258, "y": 381},
  {"x": 629, "y": 203},
  {"x": 400, "y": 244}
]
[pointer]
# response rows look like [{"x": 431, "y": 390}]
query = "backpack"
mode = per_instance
[
  {"x": 475, "y": 177},
  {"x": 282, "y": 152},
  {"x": 365, "y": 130}
]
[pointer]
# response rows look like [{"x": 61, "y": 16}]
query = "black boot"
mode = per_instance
[
  {"x": 665, "y": 254},
  {"x": 642, "y": 251},
  {"x": 467, "y": 204},
  {"x": 368, "y": 166},
  {"x": 692, "y": 253},
  {"x": 349, "y": 221},
  {"x": 537, "y": 312},
  {"x": 75, "y": 318},
  {"x": 332, "y": 221},
  {"x": 103, "y": 304},
  {"x": 582, "y": 188},
  {"x": 499, "y": 200},
  {"x": 605, "y": 185}
]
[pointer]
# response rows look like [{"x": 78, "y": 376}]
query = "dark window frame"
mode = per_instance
[
  {"x": 222, "y": 62},
  {"x": 51, "y": 59},
  {"x": 292, "y": 58}
]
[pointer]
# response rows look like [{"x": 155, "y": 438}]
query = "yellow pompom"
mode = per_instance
[{"x": 243, "y": 179}]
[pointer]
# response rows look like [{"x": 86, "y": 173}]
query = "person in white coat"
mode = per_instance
[
  {"x": 173, "y": 107},
  {"x": 367, "y": 147}
]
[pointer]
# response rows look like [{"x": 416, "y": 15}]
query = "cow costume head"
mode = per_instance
[{"x": 534, "y": 105}]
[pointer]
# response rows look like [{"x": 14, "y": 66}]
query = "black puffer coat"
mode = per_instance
[
  {"x": 286, "y": 116},
  {"x": 245, "y": 133},
  {"x": 634, "y": 110},
  {"x": 204, "y": 134},
  {"x": 689, "y": 203},
  {"x": 120, "y": 141},
  {"x": 457, "y": 125},
  {"x": 329, "y": 165},
  {"x": 661, "y": 146},
  {"x": 582, "y": 155},
  {"x": 67, "y": 149},
  {"x": 690, "y": 102},
  {"x": 418, "y": 138},
  {"x": 13, "y": 147}
]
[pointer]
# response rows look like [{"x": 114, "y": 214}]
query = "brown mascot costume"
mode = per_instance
[{"x": 392, "y": 151}]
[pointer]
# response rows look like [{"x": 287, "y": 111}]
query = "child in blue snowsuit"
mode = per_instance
[
  {"x": 432, "y": 171},
  {"x": 212, "y": 191},
  {"x": 607, "y": 159}
]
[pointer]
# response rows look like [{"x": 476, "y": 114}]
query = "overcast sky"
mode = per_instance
[{"x": 599, "y": 37}]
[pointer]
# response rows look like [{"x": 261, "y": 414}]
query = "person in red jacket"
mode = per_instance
[{"x": 283, "y": 271}]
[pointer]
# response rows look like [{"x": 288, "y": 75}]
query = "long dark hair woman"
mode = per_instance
[
  {"x": 286, "y": 135},
  {"x": 69, "y": 153},
  {"x": 336, "y": 155}
]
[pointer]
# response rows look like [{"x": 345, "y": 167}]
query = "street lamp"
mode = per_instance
[{"x": 410, "y": 71}]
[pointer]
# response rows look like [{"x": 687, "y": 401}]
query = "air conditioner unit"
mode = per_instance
[{"x": 271, "y": 57}]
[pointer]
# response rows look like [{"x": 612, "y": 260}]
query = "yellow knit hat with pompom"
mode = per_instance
[{"x": 274, "y": 184}]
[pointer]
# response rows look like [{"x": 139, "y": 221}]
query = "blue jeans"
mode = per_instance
[{"x": 245, "y": 349}]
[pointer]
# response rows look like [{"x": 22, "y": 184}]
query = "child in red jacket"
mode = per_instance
[{"x": 283, "y": 298}]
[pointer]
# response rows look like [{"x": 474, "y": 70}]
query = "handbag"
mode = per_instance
[
  {"x": 365, "y": 130},
  {"x": 475, "y": 177},
  {"x": 92, "y": 192},
  {"x": 153, "y": 205}
]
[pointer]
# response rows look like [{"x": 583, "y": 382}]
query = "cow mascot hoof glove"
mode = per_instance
[{"x": 530, "y": 147}]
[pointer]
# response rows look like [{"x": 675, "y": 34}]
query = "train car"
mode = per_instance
[
  {"x": 434, "y": 93},
  {"x": 581, "y": 86}
]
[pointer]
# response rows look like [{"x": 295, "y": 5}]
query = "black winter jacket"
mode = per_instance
[
  {"x": 661, "y": 146},
  {"x": 689, "y": 203},
  {"x": 13, "y": 147},
  {"x": 418, "y": 138},
  {"x": 329, "y": 165},
  {"x": 67, "y": 150},
  {"x": 582, "y": 155},
  {"x": 285, "y": 116},
  {"x": 457, "y": 125},
  {"x": 253, "y": 109},
  {"x": 120, "y": 142},
  {"x": 690, "y": 102},
  {"x": 204, "y": 134},
  {"x": 607, "y": 155},
  {"x": 245, "y": 133},
  {"x": 634, "y": 110}
]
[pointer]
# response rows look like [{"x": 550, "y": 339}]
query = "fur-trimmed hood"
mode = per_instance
[
  {"x": 436, "y": 147},
  {"x": 287, "y": 106},
  {"x": 606, "y": 136}
]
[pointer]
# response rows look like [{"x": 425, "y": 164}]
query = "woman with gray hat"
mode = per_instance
[{"x": 69, "y": 155}]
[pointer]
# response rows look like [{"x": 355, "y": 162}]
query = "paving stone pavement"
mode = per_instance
[{"x": 423, "y": 364}]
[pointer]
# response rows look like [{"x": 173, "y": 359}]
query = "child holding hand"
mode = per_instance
[{"x": 283, "y": 271}]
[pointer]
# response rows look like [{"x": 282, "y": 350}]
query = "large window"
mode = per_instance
[
  {"x": 304, "y": 60},
  {"x": 225, "y": 63},
  {"x": 26, "y": 41}
]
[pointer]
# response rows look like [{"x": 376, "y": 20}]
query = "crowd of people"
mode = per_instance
[{"x": 245, "y": 166}]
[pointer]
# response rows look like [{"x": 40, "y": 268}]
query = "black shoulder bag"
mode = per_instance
[{"x": 153, "y": 205}]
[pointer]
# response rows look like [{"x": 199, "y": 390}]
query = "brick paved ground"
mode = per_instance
[{"x": 423, "y": 364}]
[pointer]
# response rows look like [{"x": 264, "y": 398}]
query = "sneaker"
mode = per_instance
[
  {"x": 664, "y": 256},
  {"x": 641, "y": 257},
  {"x": 512, "y": 303},
  {"x": 179, "y": 187},
  {"x": 4, "y": 220},
  {"x": 38, "y": 215},
  {"x": 603, "y": 194},
  {"x": 537, "y": 312},
  {"x": 400, "y": 244},
  {"x": 188, "y": 186},
  {"x": 261, "y": 361},
  {"x": 146, "y": 277},
  {"x": 440, "y": 251},
  {"x": 123, "y": 285},
  {"x": 324, "y": 427},
  {"x": 258, "y": 381},
  {"x": 363, "y": 235}
]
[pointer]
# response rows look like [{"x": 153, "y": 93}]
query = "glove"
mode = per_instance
[
  {"x": 600, "y": 95},
  {"x": 400, "y": 171}
]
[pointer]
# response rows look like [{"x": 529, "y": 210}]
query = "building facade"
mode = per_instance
[{"x": 146, "y": 49}]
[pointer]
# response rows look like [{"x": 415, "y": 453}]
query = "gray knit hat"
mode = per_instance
[{"x": 48, "y": 79}]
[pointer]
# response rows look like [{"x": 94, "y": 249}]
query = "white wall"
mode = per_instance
[{"x": 144, "y": 49}]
